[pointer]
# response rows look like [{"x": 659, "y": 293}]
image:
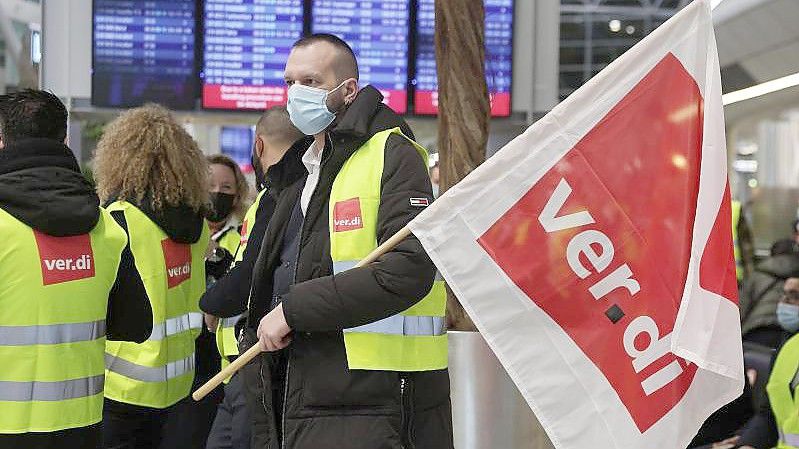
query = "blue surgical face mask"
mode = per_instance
[
  {"x": 308, "y": 110},
  {"x": 788, "y": 316}
]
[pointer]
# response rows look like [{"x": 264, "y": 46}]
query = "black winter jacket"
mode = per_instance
[
  {"x": 228, "y": 296},
  {"x": 328, "y": 406}
]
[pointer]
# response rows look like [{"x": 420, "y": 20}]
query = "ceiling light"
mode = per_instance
[{"x": 761, "y": 89}]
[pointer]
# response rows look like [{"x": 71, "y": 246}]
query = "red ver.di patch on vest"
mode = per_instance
[
  {"x": 347, "y": 215},
  {"x": 65, "y": 259},
  {"x": 177, "y": 257}
]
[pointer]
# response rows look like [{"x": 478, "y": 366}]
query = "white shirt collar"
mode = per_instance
[{"x": 311, "y": 159}]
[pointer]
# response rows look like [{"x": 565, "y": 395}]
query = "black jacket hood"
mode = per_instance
[
  {"x": 41, "y": 185},
  {"x": 783, "y": 266},
  {"x": 180, "y": 223}
]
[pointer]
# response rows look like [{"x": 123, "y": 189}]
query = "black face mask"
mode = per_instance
[
  {"x": 260, "y": 176},
  {"x": 222, "y": 206}
]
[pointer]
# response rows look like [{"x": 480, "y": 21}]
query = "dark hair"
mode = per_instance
[
  {"x": 334, "y": 41},
  {"x": 32, "y": 113}
]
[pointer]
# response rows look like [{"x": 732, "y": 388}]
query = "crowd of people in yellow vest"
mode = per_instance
[{"x": 121, "y": 294}]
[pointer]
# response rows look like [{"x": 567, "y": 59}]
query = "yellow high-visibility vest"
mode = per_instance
[
  {"x": 780, "y": 393},
  {"x": 53, "y": 303},
  {"x": 230, "y": 241},
  {"x": 159, "y": 372},
  {"x": 226, "y": 329},
  {"x": 416, "y": 339}
]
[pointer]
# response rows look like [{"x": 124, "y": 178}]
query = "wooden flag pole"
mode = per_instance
[{"x": 245, "y": 358}]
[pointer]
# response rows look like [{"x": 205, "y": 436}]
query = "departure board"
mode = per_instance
[
  {"x": 499, "y": 54},
  {"x": 143, "y": 51},
  {"x": 377, "y": 30},
  {"x": 247, "y": 43},
  {"x": 236, "y": 143}
]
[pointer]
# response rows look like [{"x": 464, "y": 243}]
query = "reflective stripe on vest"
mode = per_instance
[
  {"x": 397, "y": 324},
  {"x": 791, "y": 439},
  {"x": 51, "y": 334},
  {"x": 414, "y": 340},
  {"x": 149, "y": 374},
  {"x": 159, "y": 372},
  {"x": 174, "y": 326},
  {"x": 51, "y": 391},
  {"x": 781, "y": 397},
  {"x": 54, "y": 294}
]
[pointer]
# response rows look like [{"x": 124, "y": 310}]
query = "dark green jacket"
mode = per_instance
[{"x": 763, "y": 290}]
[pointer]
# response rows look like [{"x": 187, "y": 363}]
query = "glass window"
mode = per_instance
[{"x": 599, "y": 31}]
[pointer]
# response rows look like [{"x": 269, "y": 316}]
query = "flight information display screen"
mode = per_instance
[
  {"x": 377, "y": 30},
  {"x": 143, "y": 51},
  {"x": 499, "y": 53},
  {"x": 236, "y": 142},
  {"x": 247, "y": 43}
]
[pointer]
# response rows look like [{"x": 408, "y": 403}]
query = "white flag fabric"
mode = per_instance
[{"x": 594, "y": 251}]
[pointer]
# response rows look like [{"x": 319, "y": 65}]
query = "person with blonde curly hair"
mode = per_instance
[{"x": 153, "y": 179}]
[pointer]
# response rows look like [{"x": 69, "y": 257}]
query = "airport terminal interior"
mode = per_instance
[{"x": 218, "y": 64}]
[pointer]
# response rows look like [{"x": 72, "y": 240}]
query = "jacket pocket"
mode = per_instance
[{"x": 320, "y": 371}]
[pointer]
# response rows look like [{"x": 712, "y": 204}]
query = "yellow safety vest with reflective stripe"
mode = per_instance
[
  {"x": 416, "y": 339},
  {"x": 781, "y": 383},
  {"x": 736, "y": 217},
  {"x": 53, "y": 303},
  {"x": 159, "y": 372},
  {"x": 230, "y": 240},
  {"x": 226, "y": 329}
]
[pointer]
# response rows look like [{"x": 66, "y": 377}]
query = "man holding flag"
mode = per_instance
[{"x": 594, "y": 251}]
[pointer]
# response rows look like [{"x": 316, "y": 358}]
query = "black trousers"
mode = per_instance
[
  {"x": 231, "y": 429},
  {"x": 127, "y": 426},
  {"x": 80, "y": 438},
  {"x": 188, "y": 424}
]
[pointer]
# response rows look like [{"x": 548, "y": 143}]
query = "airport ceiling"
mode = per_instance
[{"x": 758, "y": 41}]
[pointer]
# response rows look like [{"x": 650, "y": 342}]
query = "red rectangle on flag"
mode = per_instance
[
  {"x": 177, "y": 258},
  {"x": 606, "y": 261},
  {"x": 347, "y": 215},
  {"x": 65, "y": 259}
]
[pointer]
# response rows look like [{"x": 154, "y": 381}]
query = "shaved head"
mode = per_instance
[
  {"x": 276, "y": 127},
  {"x": 342, "y": 62}
]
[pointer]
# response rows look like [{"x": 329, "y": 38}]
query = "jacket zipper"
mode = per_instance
[
  {"x": 403, "y": 418},
  {"x": 296, "y": 264},
  {"x": 406, "y": 413}
]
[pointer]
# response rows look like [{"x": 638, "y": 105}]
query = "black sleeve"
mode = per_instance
[
  {"x": 129, "y": 316},
  {"x": 761, "y": 430},
  {"x": 228, "y": 296},
  {"x": 396, "y": 281}
]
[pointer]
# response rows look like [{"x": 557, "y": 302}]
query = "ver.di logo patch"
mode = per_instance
[
  {"x": 177, "y": 257},
  {"x": 347, "y": 215},
  {"x": 65, "y": 259}
]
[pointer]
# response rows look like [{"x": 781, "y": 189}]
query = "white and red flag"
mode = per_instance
[{"x": 594, "y": 251}]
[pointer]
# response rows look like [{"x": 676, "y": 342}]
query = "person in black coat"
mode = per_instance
[
  {"x": 276, "y": 162},
  {"x": 42, "y": 186},
  {"x": 312, "y": 400}
]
